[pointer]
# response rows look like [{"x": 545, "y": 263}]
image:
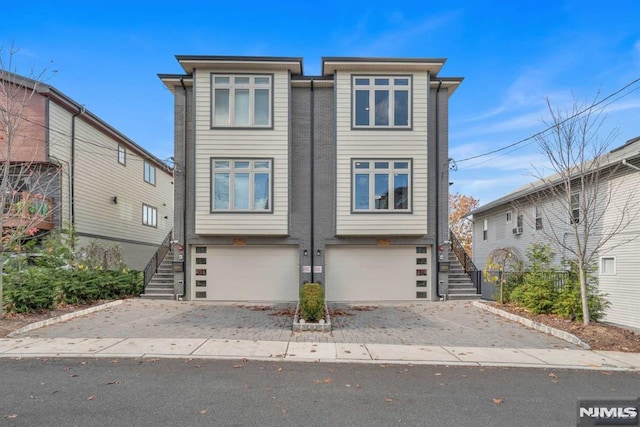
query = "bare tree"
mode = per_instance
[
  {"x": 27, "y": 179},
  {"x": 571, "y": 204},
  {"x": 500, "y": 261}
]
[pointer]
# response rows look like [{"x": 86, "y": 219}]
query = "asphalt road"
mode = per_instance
[{"x": 178, "y": 392}]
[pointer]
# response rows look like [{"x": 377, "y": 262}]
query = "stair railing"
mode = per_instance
[
  {"x": 152, "y": 267},
  {"x": 469, "y": 267}
]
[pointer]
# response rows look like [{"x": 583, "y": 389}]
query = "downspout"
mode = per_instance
[
  {"x": 184, "y": 182},
  {"x": 437, "y": 154},
  {"x": 72, "y": 168},
  {"x": 312, "y": 182}
]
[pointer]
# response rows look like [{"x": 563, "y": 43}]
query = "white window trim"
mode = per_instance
[
  {"x": 573, "y": 219},
  {"x": 251, "y": 170},
  {"x": 371, "y": 88},
  {"x": 601, "y": 264},
  {"x": 391, "y": 171},
  {"x": 149, "y": 216},
  {"x": 485, "y": 229},
  {"x": 509, "y": 217},
  {"x": 122, "y": 154},
  {"x": 537, "y": 214},
  {"x": 252, "y": 86},
  {"x": 149, "y": 173}
]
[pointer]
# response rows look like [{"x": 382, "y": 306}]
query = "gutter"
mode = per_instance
[
  {"x": 184, "y": 182},
  {"x": 624, "y": 162}
]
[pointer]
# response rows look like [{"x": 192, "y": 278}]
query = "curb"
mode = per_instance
[
  {"x": 534, "y": 325},
  {"x": 64, "y": 317}
]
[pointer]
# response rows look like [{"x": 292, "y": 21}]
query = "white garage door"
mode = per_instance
[
  {"x": 245, "y": 273},
  {"x": 379, "y": 273}
]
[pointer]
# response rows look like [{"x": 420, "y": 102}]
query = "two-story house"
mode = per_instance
[
  {"x": 93, "y": 177},
  {"x": 283, "y": 178},
  {"x": 520, "y": 218}
]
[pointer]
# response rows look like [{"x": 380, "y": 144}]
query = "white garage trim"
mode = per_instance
[
  {"x": 377, "y": 273},
  {"x": 245, "y": 273}
]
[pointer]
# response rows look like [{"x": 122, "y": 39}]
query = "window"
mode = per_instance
[
  {"x": 381, "y": 185},
  {"x": 575, "y": 208},
  {"x": 538, "y": 217},
  {"x": 485, "y": 229},
  {"x": 509, "y": 216},
  {"x": 241, "y": 100},
  {"x": 122, "y": 155},
  {"x": 149, "y": 215},
  {"x": 149, "y": 173},
  {"x": 381, "y": 102},
  {"x": 607, "y": 265},
  {"x": 241, "y": 185}
]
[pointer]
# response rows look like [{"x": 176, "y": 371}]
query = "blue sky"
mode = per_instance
[{"x": 511, "y": 55}]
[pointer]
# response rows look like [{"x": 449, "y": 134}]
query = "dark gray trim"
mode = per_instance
[
  {"x": 271, "y": 185},
  {"x": 142, "y": 217},
  {"x": 381, "y": 159},
  {"x": 144, "y": 165},
  {"x": 364, "y": 60},
  {"x": 232, "y": 127},
  {"x": 374, "y": 127}
]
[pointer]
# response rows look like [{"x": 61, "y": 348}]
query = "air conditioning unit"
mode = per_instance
[{"x": 517, "y": 231}]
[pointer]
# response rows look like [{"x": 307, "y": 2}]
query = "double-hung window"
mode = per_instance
[
  {"x": 241, "y": 100},
  {"x": 575, "y": 208},
  {"x": 122, "y": 155},
  {"x": 381, "y": 185},
  {"x": 382, "y": 102},
  {"x": 241, "y": 185},
  {"x": 149, "y": 173},
  {"x": 537, "y": 210}
]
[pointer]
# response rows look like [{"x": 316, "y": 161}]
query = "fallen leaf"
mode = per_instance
[
  {"x": 284, "y": 411},
  {"x": 498, "y": 400},
  {"x": 279, "y": 369},
  {"x": 92, "y": 397},
  {"x": 114, "y": 382},
  {"x": 204, "y": 411},
  {"x": 238, "y": 366},
  {"x": 9, "y": 417},
  {"x": 388, "y": 399},
  {"x": 552, "y": 375}
]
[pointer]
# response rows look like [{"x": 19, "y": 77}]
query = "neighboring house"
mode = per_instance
[
  {"x": 283, "y": 178},
  {"x": 98, "y": 180},
  {"x": 516, "y": 221}
]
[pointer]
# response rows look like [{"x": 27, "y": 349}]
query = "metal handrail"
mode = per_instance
[
  {"x": 467, "y": 264},
  {"x": 152, "y": 267}
]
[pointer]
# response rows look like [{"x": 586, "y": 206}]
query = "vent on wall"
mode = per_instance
[{"x": 517, "y": 230}]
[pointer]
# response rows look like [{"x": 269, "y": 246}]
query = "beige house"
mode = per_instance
[{"x": 92, "y": 176}]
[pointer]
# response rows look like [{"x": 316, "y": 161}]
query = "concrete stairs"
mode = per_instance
[
  {"x": 460, "y": 285},
  {"x": 161, "y": 285}
]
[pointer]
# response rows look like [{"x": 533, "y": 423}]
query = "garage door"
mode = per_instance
[
  {"x": 376, "y": 273},
  {"x": 245, "y": 273}
]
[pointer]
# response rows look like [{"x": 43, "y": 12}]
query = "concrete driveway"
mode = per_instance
[{"x": 449, "y": 323}]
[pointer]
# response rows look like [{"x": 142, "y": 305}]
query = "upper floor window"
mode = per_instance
[
  {"x": 381, "y": 185},
  {"x": 509, "y": 216},
  {"x": 241, "y": 185},
  {"x": 485, "y": 229},
  {"x": 381, "y": 102},
  {"x": 575, "y": 208},
  {"x": 241, "y": 100},
  {"x": 149, "y": 215},
  {"x": 149, "y": 173},
  {"x": 538, "y": 217},
  {"x": 122, "y": 154}
]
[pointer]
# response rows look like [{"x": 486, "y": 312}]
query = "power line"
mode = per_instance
[{"x": 532, "y": 137}]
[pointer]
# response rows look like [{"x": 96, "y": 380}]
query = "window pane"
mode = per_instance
[
  {"x": 401, "y": 165},
  {"x": 221, "y": 80},
  {"x": 382, "y": 107},
  {"x": 383, "y": 82},
  {"x": 221, "y": 191},
  {"x": 220, "y": 164},
  {"x": 221, "y": 107},
  {"x": 241, "y": 110},
  {"x": 382, "y": 191},
  {"x": 241, "y": 191},
  {"x": 401, "y": 82},
  {"x": 382, "y": 165},
  {"x": 362, "y": 165},
  {"x": 360, "y": 82},
  {"x": 261, "y": 101},
  {"x": 401, "y": 191},
  {"x": 242, "y": 80},
  {"x": 261, "y": 165},
  {"x": 262, "y": 80},
  {"x": 261, "y": 191},
  {"x": 401, "y": 108},
  {"x": 362, "y": 108},
  {"x": 241, "y": 164},
  {"x": 362, "y": 191}
]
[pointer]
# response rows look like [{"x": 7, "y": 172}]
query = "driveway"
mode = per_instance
[{"x": 449, "y": 323}]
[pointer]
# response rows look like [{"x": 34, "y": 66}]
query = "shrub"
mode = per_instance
[
  {"x": 569, "y": 301},
  {"x": 312, "y": 302},
  {"x": 29, "y": 291}
]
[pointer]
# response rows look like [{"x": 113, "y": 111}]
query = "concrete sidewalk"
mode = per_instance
[{"x": 439, "y": 333}]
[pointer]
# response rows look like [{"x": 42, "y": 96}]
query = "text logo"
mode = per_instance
[{"x": 608, "y": 412}]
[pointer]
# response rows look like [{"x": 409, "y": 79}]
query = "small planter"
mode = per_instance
[{"x": 300, "y": 325}]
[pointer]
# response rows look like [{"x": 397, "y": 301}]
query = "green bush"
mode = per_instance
[
  {"x": 537, "y": 293},
  {"x": 29, "y": 291},
  {"x": 312, "y": 302},
  {"x": 569, "y": 301}
]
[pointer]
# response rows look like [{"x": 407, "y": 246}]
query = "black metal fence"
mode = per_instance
[{"x": 558, "y": 278}]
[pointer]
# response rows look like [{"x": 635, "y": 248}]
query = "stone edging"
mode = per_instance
[
  {"x": 534, "y": 325},
  {"x": 301, "y": 326},
  {"x": 64, "y": 317}
]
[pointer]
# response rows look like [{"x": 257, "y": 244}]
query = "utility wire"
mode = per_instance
[{"x": 535, "y": 135}]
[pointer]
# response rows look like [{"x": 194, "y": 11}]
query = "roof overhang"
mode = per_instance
[
  {"x": 382, "y": 65},
  {"x": 241, "y": 63},
  {"x": 171, "y": 81}
]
